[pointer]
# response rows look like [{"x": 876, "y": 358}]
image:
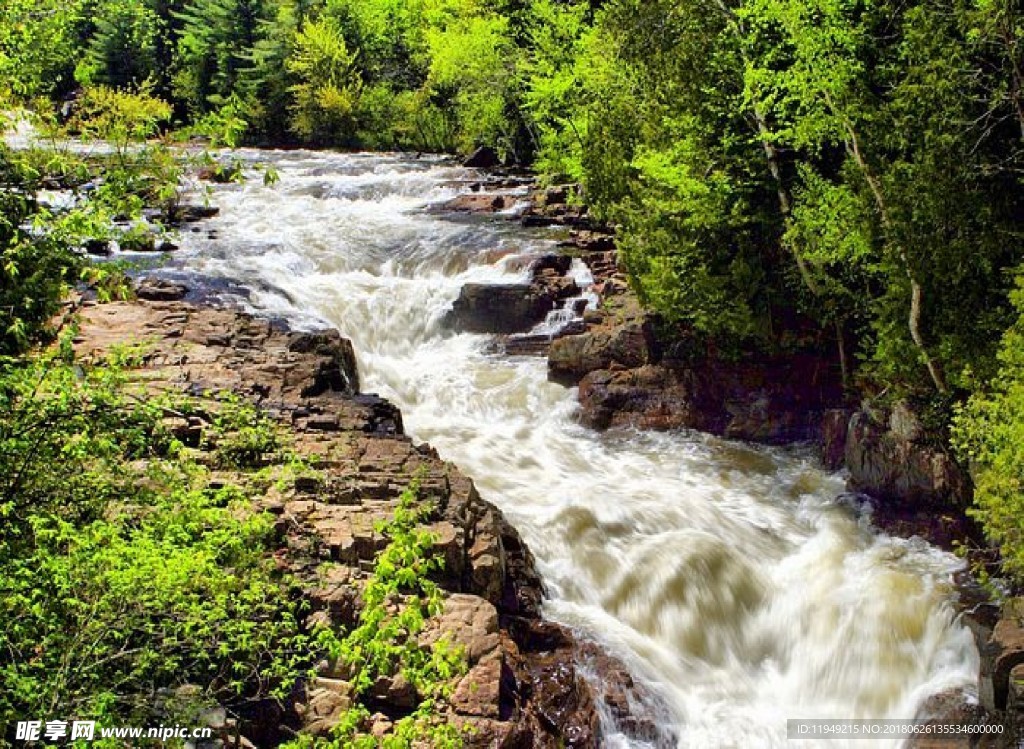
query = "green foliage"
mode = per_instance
[
  {"x": 398, "y": 599},
  {"x": 139, "y": 173},
  {"x": 38, "y": 45},
  {"x": 240, "y": 434},
  {"x": 35, "y": 270},
  {"x": 224, "y": 126},
  {"x": 989, "y": 433},
  {"x": 122, "y": 49},
  {"x": 328, "y": 88},
  {"x": 121, "y": 572},
  {"x": 472, "y": 62},
  {"x": 214, "y": 40}
]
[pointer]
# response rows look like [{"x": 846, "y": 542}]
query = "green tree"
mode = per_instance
[{"x": 328, "y": 85}]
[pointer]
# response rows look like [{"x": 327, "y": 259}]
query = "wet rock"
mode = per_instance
[
  {"x": 888, "y": 462},
  {"x": 834, "y": 426},
  {"x": 98, "y": 247},
  {"x": 484, "y": 157},
  {"x": 588, "y": 241},
  {"x": 186, "y": 214},
  {"x": 565, "y": 703},
  {"x": 498, "y": 308},
  {"x": 159, "y": 290},
  {"x": 773, "y": 402},
  {"x": 476, "y": 203},
  {"x": 629, "y": 346},
  {"x": 559, "y": 264},
  {"x": 954, "y": 708}
]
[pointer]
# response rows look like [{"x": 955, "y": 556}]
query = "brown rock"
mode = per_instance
[
  {"x": 159, "y": 290},
  {"x": 1007, "y": 648},
  {"x": 955, "y": 709},
  {"x": 475, "y": 203},
  {"x": 886, "y": 465},
  {"x": 498, "y": 308},
  {"x": 573, "y": 357}
]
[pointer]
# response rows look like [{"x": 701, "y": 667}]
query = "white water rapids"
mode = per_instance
[{"x": 729, "y": 578}]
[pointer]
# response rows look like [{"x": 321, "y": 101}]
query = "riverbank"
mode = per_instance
[
  {"x": 524, "y": 686},
  {"x": 686, "y": 556}
]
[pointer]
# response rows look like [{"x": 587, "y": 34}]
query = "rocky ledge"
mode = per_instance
[{"x": 523, "y": 687}]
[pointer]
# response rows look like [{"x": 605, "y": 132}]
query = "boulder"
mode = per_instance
[
  {"x": 954, "y": 708},
  {"x": 98, "y": 247},
  {"x": 334, "y": 367},
  {"x": 484, "y": 157},
  {"x": 475, "y": 203},
  {"x": 186, "y": 214},
  {"x": 160, "y": 290},
  {"x": 888, "y": 460},
  {"x": 498, "y": 308},
  {"x": 572, "y": 357}
]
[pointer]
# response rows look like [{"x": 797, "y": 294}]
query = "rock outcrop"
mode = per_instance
[
  {"x": 915, "y": 485},
  {"x": 498, "y": 308},
  {"x": 523, "y": 687},
  {"x": 628, "y": 375},
  {"x": 504, "y": 309},
  {"x": 890, "y": 456}
]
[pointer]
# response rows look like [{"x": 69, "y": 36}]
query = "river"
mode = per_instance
[{"x": 728, "y": 577}]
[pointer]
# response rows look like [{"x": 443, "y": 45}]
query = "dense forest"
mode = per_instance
[{"x": 776, "y": 171}]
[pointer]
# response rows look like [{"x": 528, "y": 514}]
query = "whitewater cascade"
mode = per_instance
[{"x": 727, "y": 577}]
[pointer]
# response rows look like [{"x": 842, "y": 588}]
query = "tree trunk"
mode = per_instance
[{"x": 916, "y": 292}]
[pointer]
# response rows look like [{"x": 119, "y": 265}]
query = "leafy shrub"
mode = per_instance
[
  {"x": 989, "y": 432},
  {"x": 397, "y": 600},
  {"x": 121, "y": 572}
]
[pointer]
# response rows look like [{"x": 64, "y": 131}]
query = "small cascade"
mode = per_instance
[{"x": 565, "y": 320}]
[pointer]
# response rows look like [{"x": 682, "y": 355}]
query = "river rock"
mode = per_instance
[
  {"x": 954, "y": 708},
  {"x": 589, "y": 241},
  {"x": 476, "y": 203},
  {"x": 160, "y": 290},
  {"x": 498, "y": 308},
  {"x": 484, "y": 157},
  {"x": 98, "y": 247},
  {"x": 627, "y": 346},
  {"x": 190, "y": 213},
  {"x": 554, "y": 206},
  {"x": 889, "y": 460}
]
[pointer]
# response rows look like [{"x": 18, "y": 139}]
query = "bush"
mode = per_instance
[
  {"x": 989, "y": 432},
  {"x": 121, "y": 572},
  {"x": 397, "y": 600}
]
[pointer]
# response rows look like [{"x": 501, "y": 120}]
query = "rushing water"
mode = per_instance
[{"x": 728, "y": 577}]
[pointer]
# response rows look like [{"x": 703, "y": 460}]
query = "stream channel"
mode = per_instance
[{"x": 732, "y": 579}]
